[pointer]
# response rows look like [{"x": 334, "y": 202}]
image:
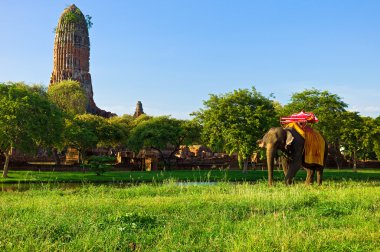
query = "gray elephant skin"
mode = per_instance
[{"x": 291, "y": 143}]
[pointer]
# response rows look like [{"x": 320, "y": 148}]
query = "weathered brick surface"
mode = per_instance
[{"x": 72, "y": 54}]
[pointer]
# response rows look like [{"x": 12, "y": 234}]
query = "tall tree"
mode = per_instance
[
  {"x": 89, "y": 131},
  {"x": 69, "y": 96},
  {"x": 110, "y": 132},
  {"x": 80, "y": 134},
  {"x": 351, "y": 135},
  {"x": 27, "y": 120},
  {"x": 376, "y": 138},
  {"x": 233, "y": 122},
  {"x": 359, "y": 136},
  {"x": 115, "y": 133},
  {"x": 369, "y": 139},
  {"x": 329, "y": 109}
]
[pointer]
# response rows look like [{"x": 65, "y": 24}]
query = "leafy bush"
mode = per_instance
[{"x": 99, "y": 164}]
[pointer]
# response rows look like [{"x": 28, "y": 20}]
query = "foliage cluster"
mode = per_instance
[
  {"x": 233, "y": 122},
  {"x": 72, "y": 16},
  {"x": 99, "y": 164},
  {"x": 162, "y": 133},
  {"x": 75, "y": 17},
  {"x": 69, "y": 96},
  {"x": 27, "y": 120},
  {"x": 346, "y": 131},
  {"x": 33, "y": 117}
]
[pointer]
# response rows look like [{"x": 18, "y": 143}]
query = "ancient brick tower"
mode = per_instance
[
  {"x": 72, "y": 54},
  {"x": 139, "y": 110}
]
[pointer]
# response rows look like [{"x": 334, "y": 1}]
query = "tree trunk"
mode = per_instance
[
  {"x": 337, "y": 162},
  {"x": 81, "y": 160},
  {"x": 57, "y": 160},
  {"x": 354, "y": 162},
  {"x": 142, "y": 164},
  {"x": 245, "y": 168},
  {"x": 163, "y": 160},
  {"x": 335, "y": 152},
  {"x": 166, "y": 163},
  {"x": 6, "y": 164},
  {"x": 270, "y": 163}
]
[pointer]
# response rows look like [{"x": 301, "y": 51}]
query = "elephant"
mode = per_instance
[{"x": 291, "y": 144}]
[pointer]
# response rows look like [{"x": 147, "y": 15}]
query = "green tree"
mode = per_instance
[
  {"x": 359, "y": 136},
  {"x": 329, "y": 109},
  {"x": 376, "y": 137},
  {"x": 114, "y": 134},
  {"x": 27, "y": 120},
  {"x": 69, "y": 96},
  {"x": 278, "y": 107},
  {"x": 80, "y": 134},
  {"x": 110, "y": 132},
  {"x": 233, "y": 122},
  {"x": 162, "y": 133},
  {"x": 369, "y": 138},
  {"x": 90, "y": 131},
  {"x": 351, "y": 135},
  {"x": 53, "y": 121}
]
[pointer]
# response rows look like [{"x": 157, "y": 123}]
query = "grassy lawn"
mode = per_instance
[
  {"x": 159, "y": 176},
  {"x": 338, "y": 216}
]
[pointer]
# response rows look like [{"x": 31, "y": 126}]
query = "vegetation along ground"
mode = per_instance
[
  {"x": 341, "y": 215},
  {"x": 27, "y": 177}
]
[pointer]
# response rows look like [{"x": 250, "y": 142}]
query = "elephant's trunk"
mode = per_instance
[{"x": 270, "y": 162}]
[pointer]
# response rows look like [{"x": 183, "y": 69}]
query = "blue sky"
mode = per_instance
[{"x": 172, "y": 54}]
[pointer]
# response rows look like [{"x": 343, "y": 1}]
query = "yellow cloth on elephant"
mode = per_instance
[
  {"x": 297, "y": 128},
  {"x": 314, "y": 144}
]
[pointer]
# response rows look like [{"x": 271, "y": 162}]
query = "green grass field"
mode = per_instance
[
  {"x": 341, "y": 215},
  {"x": 159, "y": 176}
]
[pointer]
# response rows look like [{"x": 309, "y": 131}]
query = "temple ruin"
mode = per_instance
[
  {"x": 72, "y": 55},
  {"x": 139, "y": 110}
]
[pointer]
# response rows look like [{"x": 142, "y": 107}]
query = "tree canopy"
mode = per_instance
[
  {"x": 376, "y": 137},
  {"x": 327, "y": 107},
  {"x": 27, "y": 120},
  {"x": 359, "y": 137},
  {"x": 162, "y": 133},
  {"x": 233, "y": 122},
  {"x": 81, "y": 134},
  {"x": 32, "y": 117},
  {"x": 69, "y": 96}
]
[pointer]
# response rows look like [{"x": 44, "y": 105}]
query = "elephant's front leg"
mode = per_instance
[
  {"x": 294, "y": 166},
  {"x": 284, "y": 164},
  {"x": 310, "y": 176}
]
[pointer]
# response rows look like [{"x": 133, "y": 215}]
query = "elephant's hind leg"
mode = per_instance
[
  {"x": 319, "y": 176},
  {"x": 310, "y": 176}
]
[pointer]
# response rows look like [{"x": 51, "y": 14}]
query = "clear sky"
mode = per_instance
[{"x": 171, "y": 54}]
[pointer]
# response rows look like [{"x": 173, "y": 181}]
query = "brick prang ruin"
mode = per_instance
[{"x": 72, "y": 55}]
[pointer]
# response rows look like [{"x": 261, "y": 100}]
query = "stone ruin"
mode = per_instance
[
  {"x": 72, "y": 55},
  {"x": 139, "y": 110}
]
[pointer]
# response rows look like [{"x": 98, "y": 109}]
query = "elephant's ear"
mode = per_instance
[{"x": 289, "y": 139}]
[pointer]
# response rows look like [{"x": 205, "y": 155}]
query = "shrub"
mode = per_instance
[{"x": 99, "y": 164}]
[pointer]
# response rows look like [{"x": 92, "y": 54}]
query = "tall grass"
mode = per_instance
[
  {"x": 338, "y": 216},
  {"x": 185, "y": 175}
]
